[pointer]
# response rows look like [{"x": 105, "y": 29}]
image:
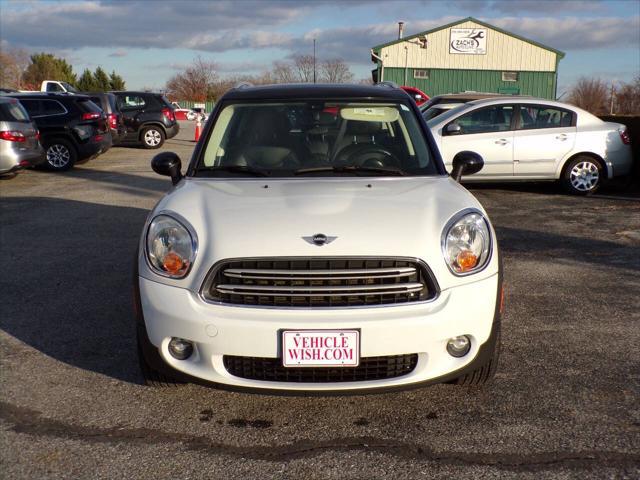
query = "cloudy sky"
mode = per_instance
[{"x": 147, "y": 41}]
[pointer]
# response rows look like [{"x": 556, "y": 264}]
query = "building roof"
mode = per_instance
[
  {"x": 317, "y": 90},
  {"x": 468, "y": 19}
]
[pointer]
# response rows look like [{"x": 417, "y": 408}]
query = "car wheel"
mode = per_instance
[
  {"x": 61, "y": 155},
  {"x": 152, "y": 137},
  {"x": 484, "y": 373},
  {"x": 582, "y": 176},
  {"x": 152, "y": 376},
  {"x": 191, "y": 116}
]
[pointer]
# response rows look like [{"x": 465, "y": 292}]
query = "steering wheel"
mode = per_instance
[{"x": 367, "y": 155}]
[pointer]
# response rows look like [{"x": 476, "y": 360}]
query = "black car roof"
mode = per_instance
[
  {"x": 314, "y": 90},
  {"x": 49, "y": 96}
]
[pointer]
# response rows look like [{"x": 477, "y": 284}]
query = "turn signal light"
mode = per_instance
[
  {"x": 173, "y": 263},
  {"x": 466, "y": 260}
]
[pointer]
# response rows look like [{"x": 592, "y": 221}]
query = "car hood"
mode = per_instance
[{"x": 238, "y": 218}]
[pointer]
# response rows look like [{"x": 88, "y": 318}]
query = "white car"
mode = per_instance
[
  {"x": 316, "y": 243},
  {"x": 533, "y": 139}
]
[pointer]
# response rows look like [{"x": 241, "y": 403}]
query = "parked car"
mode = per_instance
[
  {"x": 524, "y": 139},
  {"x": 181, "y": 113},
  {"x": 19, "y": 138},
  {"x": 72, "y": 127},
  {"x": 109, "y": 105},
  {"x": 459, "y": 98},
  {"x": 309, "y": 251},
  {"x": 418, "y": 95},
  {"x": 198, "y": 112},
  {"x": 148, "y": 117}
]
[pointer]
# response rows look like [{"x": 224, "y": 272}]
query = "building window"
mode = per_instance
[
  {"x": 509, "y": 76},
  {"x": 424, "y": 74}
]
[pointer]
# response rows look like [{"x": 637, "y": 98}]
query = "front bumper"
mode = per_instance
[{"x": 421, "y": 328}]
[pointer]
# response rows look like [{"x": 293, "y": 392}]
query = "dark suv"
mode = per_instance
[
  {"x": 72, "y": 127},
  {"x": 148, "y": 117},
  {"x": 109, "y": 104}
]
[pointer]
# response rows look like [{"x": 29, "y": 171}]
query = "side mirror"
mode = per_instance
[
  {"x": 466, "y": 163},
  {"x": 453, "y": 129},
  {"x": 168, "y": 164}
]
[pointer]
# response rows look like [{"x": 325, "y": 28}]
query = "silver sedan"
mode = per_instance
[{"x": 524, "y": 139}]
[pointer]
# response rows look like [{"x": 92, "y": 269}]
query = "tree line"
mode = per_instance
[
  {"x": 21, "y": 71},
  {"x": 200, "y": 81},
  {"x": 600, "y": 98}
]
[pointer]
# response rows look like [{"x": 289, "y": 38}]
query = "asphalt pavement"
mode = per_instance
[{"x": 564, "y": 403}]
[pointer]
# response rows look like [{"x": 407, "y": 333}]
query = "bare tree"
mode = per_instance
[
  {"x": 13, "y": 63},
  {"x": 198, "y": 82},
  {"x": 591, "y": 94},
  {"x": 283, "y": 73},
  {"x": 627, "y": 98},
  {"x": 303, "y": 66},
  {"x": 335, "y": 71}
]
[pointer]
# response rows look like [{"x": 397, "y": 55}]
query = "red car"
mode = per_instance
[
  {"x": 181, "y": 113},
  {"x": 418, "y": 95}
]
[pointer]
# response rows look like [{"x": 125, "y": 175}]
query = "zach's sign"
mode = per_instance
[{"x": 471, "y": 41}]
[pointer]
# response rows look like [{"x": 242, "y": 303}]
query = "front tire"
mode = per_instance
[
  {"x": 61, "y": 155},
  {"x": 582, "y": 176},
  {"x": 152, "y": 137}
]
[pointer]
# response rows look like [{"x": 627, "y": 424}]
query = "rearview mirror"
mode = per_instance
[
  {"x": 466, "y": 163},
  {"x": 453, "y": 129},
  {"x": 168, "y": 164}
]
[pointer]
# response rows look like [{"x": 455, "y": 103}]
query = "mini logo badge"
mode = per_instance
[{"x": 319, "y": 239}]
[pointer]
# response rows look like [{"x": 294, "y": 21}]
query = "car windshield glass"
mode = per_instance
[
  {"x": 69, "y": 88},
  {"x": 316, "y": 138},
  {"x": 13, "y": 112},
  {"x": 443, "y": 117},
  {"x": 433, "y": 112},
  {"x": 88, "y": 106}
]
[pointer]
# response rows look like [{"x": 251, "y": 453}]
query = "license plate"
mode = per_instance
[{"x": 321, "y": 348}]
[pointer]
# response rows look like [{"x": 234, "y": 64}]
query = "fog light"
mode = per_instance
[
  {"x": 459, "y": 346},
  {"x": 180, "y": 349}
]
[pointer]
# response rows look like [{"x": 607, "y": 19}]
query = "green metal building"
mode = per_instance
[{"x": 468, "y": 55}]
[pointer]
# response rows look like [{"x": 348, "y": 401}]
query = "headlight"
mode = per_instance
[
  {"x": 466, "y": 243},
  {"x": 171, "y": 248}
]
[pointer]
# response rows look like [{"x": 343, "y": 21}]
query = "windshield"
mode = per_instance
[
  {"x": 453, "y": 112},
  {"x": 433, "y": 112},
  {"x": 316, "y": 138}
]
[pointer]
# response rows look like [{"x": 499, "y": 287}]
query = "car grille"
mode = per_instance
[
  {"x": 319, "y": 282},
  {"x": 271, "y": 369}
]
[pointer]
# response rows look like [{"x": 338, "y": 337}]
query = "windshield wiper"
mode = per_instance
[
  {"x": 352, "y": 169},
  {"x": 236, "y": 169}
]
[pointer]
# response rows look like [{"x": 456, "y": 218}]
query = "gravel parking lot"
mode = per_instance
[{"x": 564, "y": 404}]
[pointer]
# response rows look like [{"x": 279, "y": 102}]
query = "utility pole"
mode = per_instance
[
  {"x": 314, "y": 60},
  {"x": 612, "y": 97}
]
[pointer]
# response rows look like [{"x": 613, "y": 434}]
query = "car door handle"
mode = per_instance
[
  {"x": 562, "y": 136},
  {"x": 502, "y": 141}
]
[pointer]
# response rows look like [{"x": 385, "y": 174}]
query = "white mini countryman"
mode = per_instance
[{"x": 316, "y": 243}]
